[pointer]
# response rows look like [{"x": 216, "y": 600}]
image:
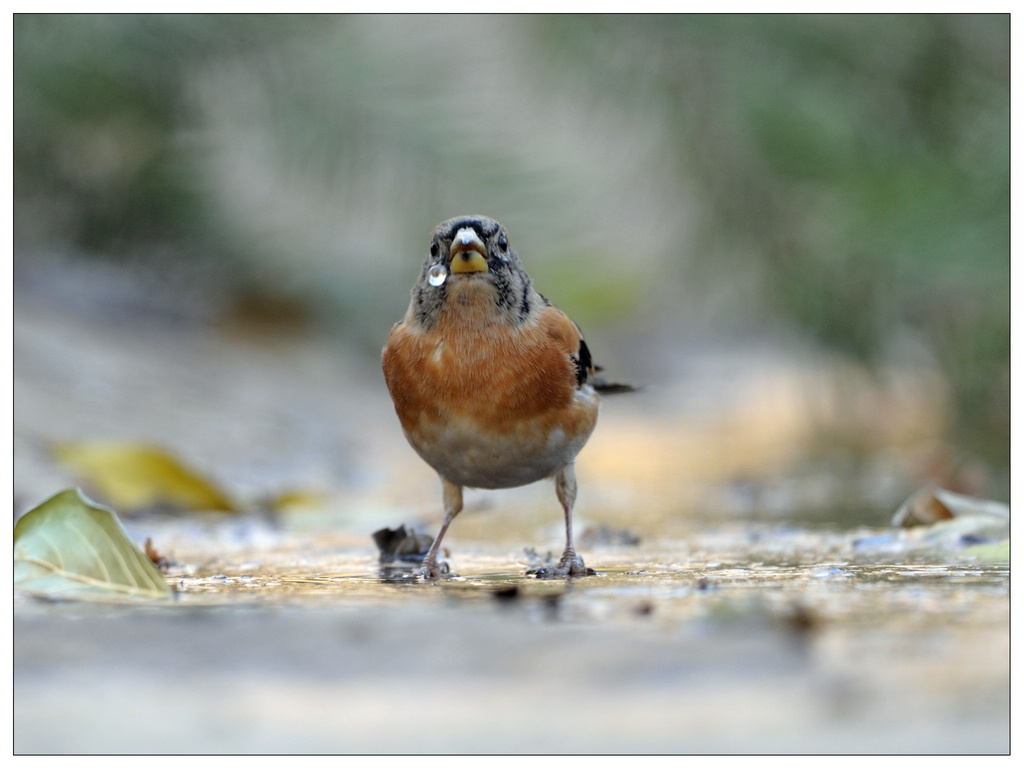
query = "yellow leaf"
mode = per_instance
[
  {"x": 298, "y": 500},
  {"x": 138, "y": 476}
]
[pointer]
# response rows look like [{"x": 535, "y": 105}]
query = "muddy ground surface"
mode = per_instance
[
  {"x": 734, "y": 610},
  {"x": 729, "y": 647}
]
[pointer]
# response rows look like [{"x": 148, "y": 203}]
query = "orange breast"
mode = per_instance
[{"x": 494, "y": 405}]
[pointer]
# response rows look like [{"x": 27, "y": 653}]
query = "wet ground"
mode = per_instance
[
  {"x": 732, "y": 611},
  {"x": 733, "y": 641}
]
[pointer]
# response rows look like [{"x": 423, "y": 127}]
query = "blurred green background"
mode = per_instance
[{"x": 669, "y": 180}]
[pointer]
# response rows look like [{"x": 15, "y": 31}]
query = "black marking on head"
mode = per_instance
[
  {"x": 484, "y": 227},
  {"x": 503, "y": 287}
]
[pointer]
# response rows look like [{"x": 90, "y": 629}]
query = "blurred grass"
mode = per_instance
[{"x": 846, "y": 176}]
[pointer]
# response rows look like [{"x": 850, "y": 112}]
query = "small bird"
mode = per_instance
[{"x": 493, "y": 385}]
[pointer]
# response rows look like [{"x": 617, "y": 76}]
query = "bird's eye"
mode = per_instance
[
  {"x": 433, "y": 248},
  {"x": 503, "y": 243}
]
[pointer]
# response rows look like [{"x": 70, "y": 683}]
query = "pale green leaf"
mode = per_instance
[{"x": 70, "y": 547}]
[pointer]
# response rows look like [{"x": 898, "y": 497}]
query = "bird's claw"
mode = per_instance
[
  {"x": 433, "y": 571},
  {"x": 571, "y": 565}
]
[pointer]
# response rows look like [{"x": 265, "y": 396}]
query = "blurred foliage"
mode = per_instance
[
  {"x": 311, "y": 155},
  {"x": 855, "y": 167},
  {"x": 861, "y": 162},
  {"x": 101, "y": 160}
]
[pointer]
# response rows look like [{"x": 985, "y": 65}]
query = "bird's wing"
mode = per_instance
[{"x": 569, "y": 339}]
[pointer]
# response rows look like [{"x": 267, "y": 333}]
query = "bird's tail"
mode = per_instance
[{"x": 611, "y": 388}]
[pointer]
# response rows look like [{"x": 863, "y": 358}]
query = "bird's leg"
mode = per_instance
[
  {"x": 452, "y": 495},
  {"x": 570, "y": 565}
]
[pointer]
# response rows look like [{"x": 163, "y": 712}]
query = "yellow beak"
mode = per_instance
[{"x": 469, "y": 254}]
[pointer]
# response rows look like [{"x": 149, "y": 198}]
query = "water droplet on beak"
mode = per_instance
[{"x": 437, "y": 275}]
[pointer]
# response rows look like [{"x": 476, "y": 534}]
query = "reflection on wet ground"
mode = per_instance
[{"x": 732, "y": 641}]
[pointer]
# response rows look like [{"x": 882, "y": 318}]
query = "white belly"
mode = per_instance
[{"x": 465, "y": 457}]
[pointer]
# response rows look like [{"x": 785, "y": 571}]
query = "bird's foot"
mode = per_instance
[
  {"x": 432, "y": 571},
  {"x": 570, "y": 565}
]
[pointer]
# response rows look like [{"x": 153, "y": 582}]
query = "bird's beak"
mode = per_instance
[{"x": 469, "y": 254}]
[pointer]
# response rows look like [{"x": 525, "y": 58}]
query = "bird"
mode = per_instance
[{"x": 493, "y": 385}]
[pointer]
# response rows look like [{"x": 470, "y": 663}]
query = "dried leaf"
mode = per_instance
[
  {"x": 70, "y": 547},
  {"x": 139, "y": 476},
  {"x": 932, "y": 504},
  {"x": 940, "y": 518},
  {"x": 160, "y": 561},
  {"x": 297, "y": 501},
  {"x": 401, "y": 545},
  {"x": 920, "y": 510}
]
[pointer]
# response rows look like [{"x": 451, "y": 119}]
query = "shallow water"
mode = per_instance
[{"x": 736, "y": 640}]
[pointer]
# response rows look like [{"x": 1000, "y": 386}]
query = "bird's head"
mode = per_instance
[
  {"x": 470, "y": 246},
  {"x": 471, "y": 254}
]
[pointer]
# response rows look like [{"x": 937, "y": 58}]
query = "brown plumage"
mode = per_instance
[{"x": 492, "y": 384}]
